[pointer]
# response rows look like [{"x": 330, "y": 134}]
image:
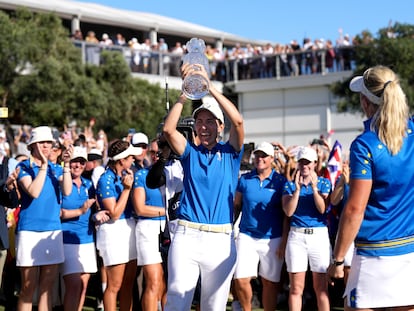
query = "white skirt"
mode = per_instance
[
  {"x": 115, "y": 241},
  {"x": 146, "y": 233},
  {"x": 39, "y": 248},
  {"x": 79, "y": 258},
  {"x": 380, "y": 282}
]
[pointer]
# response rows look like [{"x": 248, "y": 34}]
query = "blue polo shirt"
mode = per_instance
[
  {"x": 78, "y": 230},
  {"x": 42, "y": 213},
  {"x": 210, "y": 180},
  {"x": 388, "y": 225},
  {"x": 306, "y": 214},
  {"x": 153, "y": 197},
  {"x": 262, "y": 213},
  {"x": 110, "y": 186}
]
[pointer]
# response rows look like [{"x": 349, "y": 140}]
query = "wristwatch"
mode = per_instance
[{"x": 338, "y": 263}]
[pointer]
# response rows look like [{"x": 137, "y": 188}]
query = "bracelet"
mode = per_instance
[
  {"x": 66, "y": 171},
  {"x": 43, "y": 169},
  {"x": 338, "y": 263}
]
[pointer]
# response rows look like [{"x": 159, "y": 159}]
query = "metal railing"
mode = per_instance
[{"x": 277, "y": 65}]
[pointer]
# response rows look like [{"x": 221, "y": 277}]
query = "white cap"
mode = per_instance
[
  {"x": 79, "y": 152},
  {"x": 265, "y": 147},
  {"x": 40, "y": 133},
  {"x": 307, "y": 153},
  {"x": 210, "y": 104},
  {"x": 357, "y": 85},
  {"x": 94, "y": 154},
  {"x": 139, "y": 138}
]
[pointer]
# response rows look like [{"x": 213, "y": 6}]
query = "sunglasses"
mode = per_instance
[{"x": 81, "y": 162}]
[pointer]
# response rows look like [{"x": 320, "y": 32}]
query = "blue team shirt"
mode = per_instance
[
  {"x": 306, "y": 214},
  {"x": 110, "y": 186},
  {"x": 78, "y": 230},
  {"x": 153, "y": 197},
  {"x": 43, "y": 213},
  {"x": 210, "y": 180},
  {"x": 262, "y": 213},
  {"x": 388, "y": 225}
]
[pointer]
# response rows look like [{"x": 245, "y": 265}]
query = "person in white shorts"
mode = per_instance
[
  {"x": 149, "y": 208},
  {"x": 260, "y": 246},
  {"x": 116, "y": 238},
  {"x": 39, "y": 242},
  {"x": 305, "y": 202},
  {"x": 78, "y": 240},
  {"x": 339, "y": 197},
  {"x": 379, "y": 214}
]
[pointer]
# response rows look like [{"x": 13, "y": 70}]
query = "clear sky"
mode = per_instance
[{"x": 276, "y": 20}]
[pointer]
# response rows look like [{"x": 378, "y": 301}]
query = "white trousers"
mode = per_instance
[{"x": 195, "y": 253}]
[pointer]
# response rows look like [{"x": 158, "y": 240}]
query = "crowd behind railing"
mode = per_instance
[{"x": 230, "y": 63}]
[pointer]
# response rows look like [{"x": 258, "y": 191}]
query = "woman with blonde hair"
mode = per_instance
[{"x": 378, "y": 214}]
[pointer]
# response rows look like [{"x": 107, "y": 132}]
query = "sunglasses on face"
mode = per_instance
[{"x": 81, "y": 162}]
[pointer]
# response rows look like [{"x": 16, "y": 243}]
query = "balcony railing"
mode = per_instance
[{"x": 276, "y": 65}]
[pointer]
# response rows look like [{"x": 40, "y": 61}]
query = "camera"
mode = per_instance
[{"x": 185, "y": 127}]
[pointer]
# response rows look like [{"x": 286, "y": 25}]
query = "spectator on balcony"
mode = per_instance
[
  {"x": 77, "y": 35},
  {"x": 135, "y": 54},
  {"x": 295, "y": 47},
  {"x": 92, "y": 49},
  {"x": 177, "y": 53},
  {"x": 308, "y": 60},
  {"x": 106, "y": 41},
  {"x": 120, "y": 40},
  {"x": 329, "y": 56},
  {"x": 145, "y": 55},
  {"x": 269, "y": 61},
  {"x": 343, "y": 51},
  {"x": 166, "y": 59}
]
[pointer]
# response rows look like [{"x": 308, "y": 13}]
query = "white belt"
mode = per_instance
[{"x": 226, "y": 228}]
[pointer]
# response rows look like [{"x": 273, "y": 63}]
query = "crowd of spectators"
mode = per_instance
[
  {"x": 13, "y": 143},
  {"x": 229, "y": 63}
]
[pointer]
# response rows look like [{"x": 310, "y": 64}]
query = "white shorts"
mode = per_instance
[
  {"x": 349, "y": 255},
  {"x": 79, "y": 258},
  {"x": 146, "y": 234},
  {"x": 115, "y": 241},
  {"x": 380, "y": 282},
  {"x": 311, "y": 245},
  {"x": 251, "y": 252},
  {"x": 39, "y": 248}
]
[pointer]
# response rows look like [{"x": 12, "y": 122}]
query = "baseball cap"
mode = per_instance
[
  {"x": 79, "y": 152},
  {"x": 210, "y": 104},
  {"x": 307, "y": 153},
  {"x": 94, "y": 154},
  {"x": 139, "y": 138},
  {"x": 357, "y": 85},
  {"x": 265, "y": 147}
]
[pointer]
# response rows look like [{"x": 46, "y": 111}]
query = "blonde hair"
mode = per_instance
[{"x": 390, "y": 120}]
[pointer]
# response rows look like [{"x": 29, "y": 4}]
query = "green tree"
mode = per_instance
[
  {"x": 45, "y": 82},
  {"x": 393, "y": 47}
]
